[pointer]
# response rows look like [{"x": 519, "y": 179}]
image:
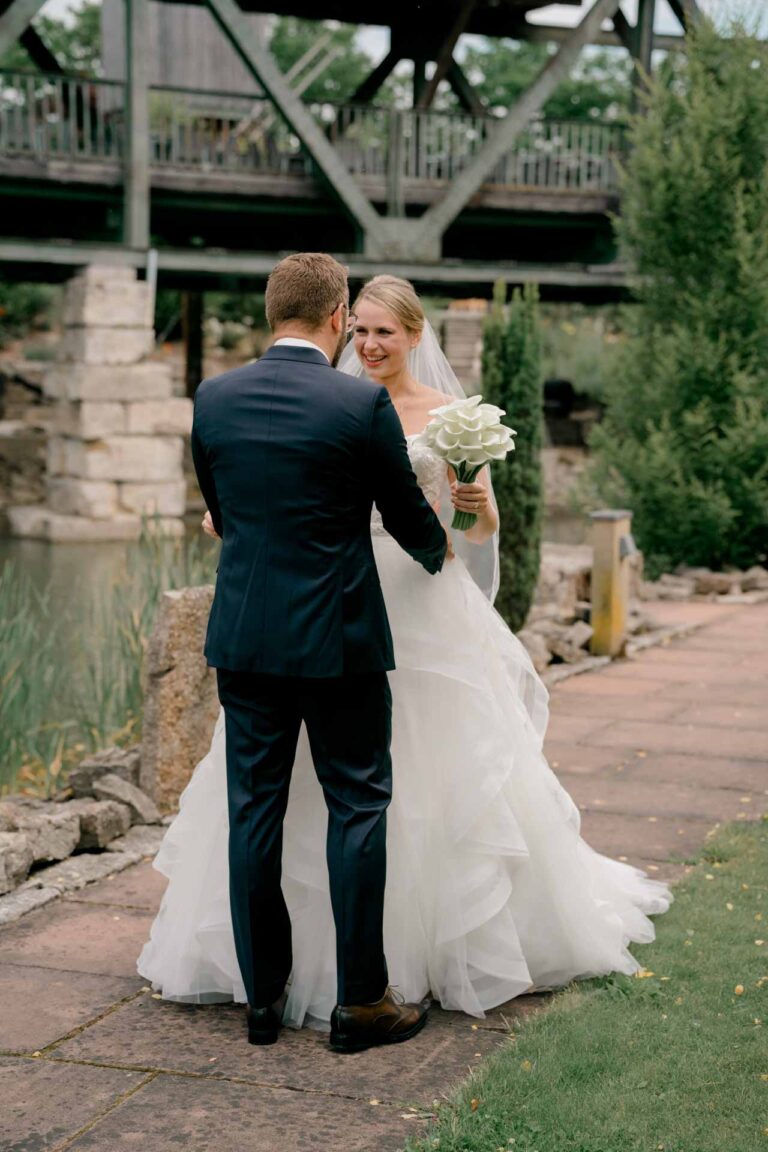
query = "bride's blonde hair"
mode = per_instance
[{"x": 399, "y": 297}]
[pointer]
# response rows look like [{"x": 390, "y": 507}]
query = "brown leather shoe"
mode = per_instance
[
  {"x": 265, "y": 1023},
  {"x": 388, "y": 1021}
]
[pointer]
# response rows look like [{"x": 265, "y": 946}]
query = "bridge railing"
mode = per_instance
[{"x": 48, "y": 117}]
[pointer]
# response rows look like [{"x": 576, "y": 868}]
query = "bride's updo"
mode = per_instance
[{"x": 398, "y": 297}]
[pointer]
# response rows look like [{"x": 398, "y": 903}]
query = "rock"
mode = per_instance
[
  {"x": 134, "y": 458},
  {"x": 105, "y": 345},
  {"x": 171, "y": 417},
  {"x": 73, "y": 497},
  {"x": 37, "y": 522},
  {"x": 537, "y": 649},
  {"x": 51, "y": 836},
  {"x": 16, "y": 859},
  {"x": 755, "y": 579},
  {"x": 142, "y": 838},
  {"x": 122, "y": 762},
  {"x": 569, "y": 646},
  {"x": 181, "y": 704},
  {"x": 90, "y": 419},
  {"x": 564, "y": 577},
  {"x": 668, "y": 588},
  {"x": 8, "y": 816},
  {"x": 73, "y": 874},
  {"x": 17, "y": 904},
  {"x": 101, "y": 821},
  {"x": 708, "y": 583},
  {"x": 116, "y": 303},
  {"x": 159, "y": 499},
  {"x": 142, "y": 807}
]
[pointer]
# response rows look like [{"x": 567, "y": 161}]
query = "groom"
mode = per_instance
[{"x": 290, "y": 455}]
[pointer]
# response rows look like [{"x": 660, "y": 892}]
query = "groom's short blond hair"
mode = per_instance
[{"x": 305, "y": 288}]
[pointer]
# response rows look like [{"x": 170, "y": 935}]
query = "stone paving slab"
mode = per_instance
[
  {"x": 642, "y": 837},
  {"x": 625, "y": 795},
  {"x": 210, "y": 1041},
  {"x": 40, "y": 1005},
  {"x": 141, "y": 887},
  {"x": 692, "y": 739},
  {"x": 78, "y": 937},
  {"x": 175, "y": 1113},
  {"x": 43, "y": 1103}
]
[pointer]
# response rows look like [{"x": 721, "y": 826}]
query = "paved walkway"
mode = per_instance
[{"x": 655, "y": 751}]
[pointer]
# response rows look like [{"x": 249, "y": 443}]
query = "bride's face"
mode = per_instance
[{"x": 382, "y": 343}]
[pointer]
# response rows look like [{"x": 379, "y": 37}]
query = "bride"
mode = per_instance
[{"x": 490, "y": 889}]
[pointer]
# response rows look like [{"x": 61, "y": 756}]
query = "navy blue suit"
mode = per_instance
[{"x": 290, "y": 456}]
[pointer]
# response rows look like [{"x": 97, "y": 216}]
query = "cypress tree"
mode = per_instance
[{"x": 512, "y": 378}]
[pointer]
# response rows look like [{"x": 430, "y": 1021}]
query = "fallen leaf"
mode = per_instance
[{"x": 739, "y": 989}]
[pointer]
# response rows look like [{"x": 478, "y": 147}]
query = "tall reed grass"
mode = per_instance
[{"x": 69, "y": 686}]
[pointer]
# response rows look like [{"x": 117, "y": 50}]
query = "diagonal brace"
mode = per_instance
[
  {"x": 259, "y": 62},
  {"x": 16, "y": 17},
  {"x": 436, "y": 219}
]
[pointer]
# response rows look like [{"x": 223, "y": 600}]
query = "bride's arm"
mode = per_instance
[{"x": 475, "y": 498}]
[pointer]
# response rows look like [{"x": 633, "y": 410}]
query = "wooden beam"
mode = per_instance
[
  {"x": 607, "y": 38},
  {"x": 436, "y": 219},
  {"x": 38, "y": 51},
  {"x": 260, "y": 63},
  {"x": 468, "y": 97},
  {"x": 626, "y": 32},
  {"x": 687, "y": 12},
  {"x": 17, "y": 16},
  {"x": 192, "y": 331},
  {"x": 370, "y": 86},
  {"x": 644, "y": 39},
  {"x": 445, "y": 53},
  {"x": 136, "y": 210}
]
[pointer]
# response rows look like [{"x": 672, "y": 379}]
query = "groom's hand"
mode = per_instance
[
  {"x": 449, "y": 552},
  {"x": 208, "y": 527}
]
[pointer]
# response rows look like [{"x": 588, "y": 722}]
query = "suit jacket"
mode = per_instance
[{"x": 290, "y": 455}]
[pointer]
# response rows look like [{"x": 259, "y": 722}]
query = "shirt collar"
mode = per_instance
[{"x": 297, "y": 342}]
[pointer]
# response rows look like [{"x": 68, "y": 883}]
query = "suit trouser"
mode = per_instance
[{"x": 349, "y": 724}]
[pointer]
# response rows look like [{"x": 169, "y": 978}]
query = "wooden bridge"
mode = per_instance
[{"x": 229, "y": 180}]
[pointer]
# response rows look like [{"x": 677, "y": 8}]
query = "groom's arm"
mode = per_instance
[
  {"x": 204, "y": 474},
  {"x": 404, "y": 510}
]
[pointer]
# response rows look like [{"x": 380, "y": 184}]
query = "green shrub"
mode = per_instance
[
  {"x": 512, "y": 378},
  {"x": 684, "y": 443}
]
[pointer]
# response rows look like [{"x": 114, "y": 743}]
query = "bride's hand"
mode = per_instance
[
  {"x": 469, "y": 497},
  {"x": 208, "y": 527}
]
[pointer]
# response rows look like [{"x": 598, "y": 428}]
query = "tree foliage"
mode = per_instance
[
  {"x": 512, "y": 378},
  {"x": 293, "y": 37},
  {"x": 685, "y": 439},
  {"x": 75, "y": 41}
]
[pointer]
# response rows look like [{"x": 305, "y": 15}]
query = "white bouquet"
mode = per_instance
[{"x": 468, "y": 435}]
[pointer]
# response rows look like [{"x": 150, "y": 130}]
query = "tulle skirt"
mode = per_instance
[{"x": 490, "y": 888}]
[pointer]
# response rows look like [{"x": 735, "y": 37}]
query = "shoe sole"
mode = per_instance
[
  {"x": 348, "y": 1044},
  {"x": 261, "y": 1038}
]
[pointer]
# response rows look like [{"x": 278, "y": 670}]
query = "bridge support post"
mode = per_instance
[
  {"x": 136, "y": 218},
  {"x": 115, "y": 451}
]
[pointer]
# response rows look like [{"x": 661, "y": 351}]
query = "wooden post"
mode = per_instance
[
  {"x": 192, "y": 330},
  {"x": 395, "y": 164},
  {"x": 643, "y": 50},
  {"x": 419, "y": 79},
  {"x": 136, "y": 210},
  {"x": 613, "y": 544},
  {"x": 14, "y": 19}
]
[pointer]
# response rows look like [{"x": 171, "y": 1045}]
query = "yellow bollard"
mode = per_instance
[{"x": 613, "y": 545}]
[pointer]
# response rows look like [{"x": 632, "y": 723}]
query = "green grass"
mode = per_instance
[{"x": 675, "y": 1060}]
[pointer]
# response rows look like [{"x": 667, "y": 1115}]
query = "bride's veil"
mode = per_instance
[{"x": 428, "y": 364}]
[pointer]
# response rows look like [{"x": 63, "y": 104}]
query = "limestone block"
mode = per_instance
[
  {"x": 63, "y": 529},
  {"x": 122, "y": 762},
  {"x": 168, "y": 499},
  {"x": 139, "y": 458},
  {"x": 105, "y": 274},
  {"x": 56, "y": 464},
  {"x": 143, "y": 838},
  {"x": 108, "y": 303},
  {"x": 8, "y": 814},
  {"x": 50, "y": 836},
  {"x": 16, "y": 858},
  {"x": 90, "y": 419},
  {"x": 96, "y": 498},
  {"x": 101, "y": 821},
  {"x": 142, "y": 807},
  {"x": 536, "y": 647},
  {"x": 181, "y": 703},
  {"x": 29, "y": 520},
  {"x": 17, "y": 904},
  {"x": 73, "y": 874},
  {"x": 106, "y": 345},
  {"x": 755, "y": 579},
  {"x": 148, "y": 381},
  {"x": 172, "y": 417},
  {"x": 570, "y": 645}
]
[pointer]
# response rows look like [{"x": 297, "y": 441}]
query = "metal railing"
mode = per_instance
[{"x": 48, "y": 117}]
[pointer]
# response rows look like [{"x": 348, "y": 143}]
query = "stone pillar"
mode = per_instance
[
  {"x": 117, "y": 433},
  {"x": 463, "y": 340}
]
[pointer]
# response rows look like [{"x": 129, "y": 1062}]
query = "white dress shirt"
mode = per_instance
[{"x": 297, "y": 342}]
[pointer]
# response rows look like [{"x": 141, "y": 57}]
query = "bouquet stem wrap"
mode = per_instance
[{"x": 465, "y": 474}]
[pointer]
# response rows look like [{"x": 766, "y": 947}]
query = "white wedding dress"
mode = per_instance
[{"x": 490, "y": 888}]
